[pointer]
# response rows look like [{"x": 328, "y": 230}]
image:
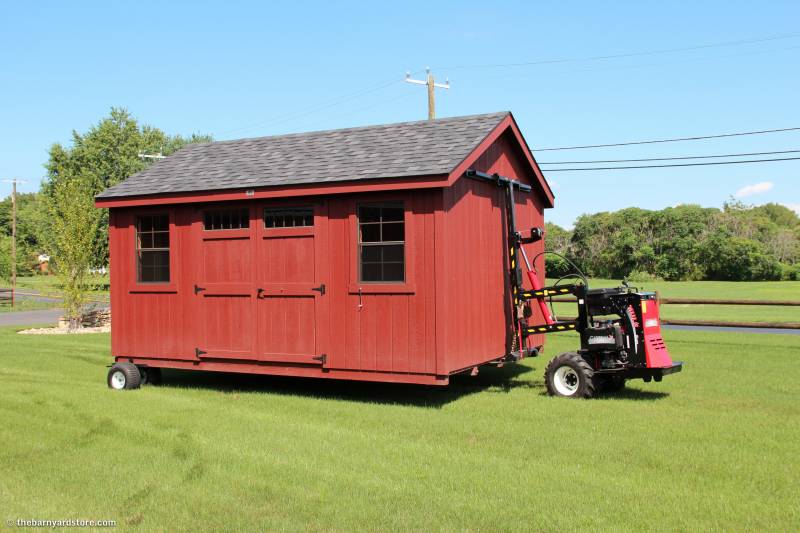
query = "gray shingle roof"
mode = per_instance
[{"x": 387, "y": 151}]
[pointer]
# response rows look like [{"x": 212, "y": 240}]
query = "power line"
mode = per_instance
[
  {"x": 696, "y": 138},
  {"x": 672, "y": 165},
  {"x": 627, "y": 54},
  {"x": 664, "y": 158}
]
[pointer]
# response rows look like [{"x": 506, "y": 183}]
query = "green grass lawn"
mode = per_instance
[
  {"x": 712, "y": 448},
  {"x": 26, "y": 305},
  {"x": 733, "y": 290},
  {"x": 49, "y": 285},
  {"x": 709, "y": 290}
]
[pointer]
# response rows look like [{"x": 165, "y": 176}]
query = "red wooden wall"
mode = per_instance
[
  {"x": 474, "y": 279},
  {"x": 258, "y": 302}
]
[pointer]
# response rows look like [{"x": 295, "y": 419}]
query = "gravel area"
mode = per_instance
[{"x": 64, "y": 331}]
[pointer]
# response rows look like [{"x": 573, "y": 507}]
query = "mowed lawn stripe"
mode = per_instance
[{"x": 712, "y": 447}]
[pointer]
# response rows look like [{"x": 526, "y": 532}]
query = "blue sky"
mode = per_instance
[{"x": 239, "y": 69}]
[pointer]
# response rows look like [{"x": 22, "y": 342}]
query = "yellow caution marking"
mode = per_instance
[
  {"x": 644, "y": 306},
  {"x": 559, "y": 327}
]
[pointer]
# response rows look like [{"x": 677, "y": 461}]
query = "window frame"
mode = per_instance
[
  {"x": 241, "y": 210},
  {"x": 356, "y": 285},
  {"x": 134, "y": 284},
  {"x": 305, "y": 227},
  {"x": 379, "y": 243}
]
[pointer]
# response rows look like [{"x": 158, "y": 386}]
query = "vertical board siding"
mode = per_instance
[
  {"x": 389, "y": 332},
  {"x": 145, "y": 323},
  {"x": 479, "y": 311}
]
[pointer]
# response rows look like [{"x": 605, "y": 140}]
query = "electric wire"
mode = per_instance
[
  {"x": 748, "y": 154},
  {"x": 676, "y": 139},
  {"x": 623, "y": 55},
  {"x": 672, "y": 165}
]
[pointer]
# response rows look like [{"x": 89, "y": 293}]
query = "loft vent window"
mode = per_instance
[
  {"x": 152, "y": 248},
  {"x": 381, "y": 243},
  {"x": 294, "y": 217},
  {"x": 222, "y": 219}
]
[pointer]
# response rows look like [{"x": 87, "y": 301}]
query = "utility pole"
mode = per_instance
[
  {"x": 13, "y": 237},
  {"x": 429, "y": 81}
]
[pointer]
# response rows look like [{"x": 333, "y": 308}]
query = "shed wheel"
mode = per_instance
[
  {"x": 149, "y": 375},
  {"x": 124, "y": 376},
  {"x": 569, "y": 375}
]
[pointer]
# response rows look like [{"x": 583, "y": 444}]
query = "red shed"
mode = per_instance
[{"x": 360, "y": 253}]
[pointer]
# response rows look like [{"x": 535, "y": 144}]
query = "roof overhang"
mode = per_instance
[
  {"x": 507, "y": 124},
  {"x": 345, "y": 187},
  {"x": 283, "y": 191}
]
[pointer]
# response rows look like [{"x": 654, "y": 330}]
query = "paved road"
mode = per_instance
[
  {"x": 726, "y": 329},
  {"x": 26, "y": 318}
]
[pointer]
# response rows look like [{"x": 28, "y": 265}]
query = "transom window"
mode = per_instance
[
  {"x": 288, "y": 217},
  {"x": 152, "y": 248},
  {"x": 226, "y": 219},
  {"x": 381, "y": 242}
]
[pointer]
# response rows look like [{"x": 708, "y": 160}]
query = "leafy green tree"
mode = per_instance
[
  {"x": 31, "y": 230},
  {"x": 75, "y": 221},
  {"x": 106, "y": 155}
]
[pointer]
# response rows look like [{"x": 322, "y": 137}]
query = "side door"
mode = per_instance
[
  {"x": 291, "y": 299},
  {"x": 224, "y": 283}
]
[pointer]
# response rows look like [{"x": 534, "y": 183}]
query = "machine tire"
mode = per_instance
[
  {"x": 124, "y": 376},
  {"x": 149, "y": 375},
  {"x": 570, "y": 376}
]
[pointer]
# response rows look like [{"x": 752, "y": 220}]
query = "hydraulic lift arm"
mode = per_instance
[{"x": 520, "y": 297}]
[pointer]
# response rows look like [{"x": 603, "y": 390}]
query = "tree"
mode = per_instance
[
  {"x": 556, "y": 239},
  {"x": 75, "y": 222},
  {"x": 106, "y": 155},
  {"x": 31, "y": 231}
]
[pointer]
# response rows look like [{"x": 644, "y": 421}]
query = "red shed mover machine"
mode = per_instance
[{"x": 386, "y": 253}]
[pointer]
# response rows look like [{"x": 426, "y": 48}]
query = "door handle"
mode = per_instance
[{"x": 260, "y": 292}]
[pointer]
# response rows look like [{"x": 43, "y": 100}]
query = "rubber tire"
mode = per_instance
[
  {"x": 150, "y": 375},
  {"x": 586, "y": 385},
  {"x": 133, "y": 378}
]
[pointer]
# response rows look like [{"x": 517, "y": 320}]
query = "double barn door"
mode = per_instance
[{"x": 260, "y": 283}]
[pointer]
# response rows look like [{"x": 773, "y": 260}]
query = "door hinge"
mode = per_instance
[
  {"x": 320, "y": 289},
  {"x": 198, "y": 290},
  {"x": 198, "y": 352},
  {"x": 322, "y": 358}
]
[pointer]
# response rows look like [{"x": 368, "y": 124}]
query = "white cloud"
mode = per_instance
[
  {"x": 794, "y": 207},
  {"x": 756, "y": 188}
]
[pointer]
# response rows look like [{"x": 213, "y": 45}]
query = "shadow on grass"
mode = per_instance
[
  {"x": 632, "y": 394},
  {"x": 489, "y": 379}
]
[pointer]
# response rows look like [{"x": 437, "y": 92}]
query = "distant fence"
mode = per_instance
[
  {"x": 714, "y": 323},
  {"x": 18, "y": 295}
]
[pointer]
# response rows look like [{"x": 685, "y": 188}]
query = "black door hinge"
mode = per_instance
[
  {"x": 322, "y": 358},
  {"x": 198, "y": 290},
  {"x": 320, "y": 289},
  {"x": 198, "y": 352}
]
